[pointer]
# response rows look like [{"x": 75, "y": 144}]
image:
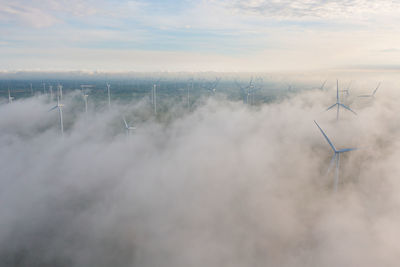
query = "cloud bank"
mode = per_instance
[{"x": 225, "y": 185}]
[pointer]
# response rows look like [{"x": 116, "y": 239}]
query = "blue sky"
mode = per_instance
[{"x": 186, "y": 35}]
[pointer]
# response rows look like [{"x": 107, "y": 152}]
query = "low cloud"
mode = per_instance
[{"x": 224, "y": 185}]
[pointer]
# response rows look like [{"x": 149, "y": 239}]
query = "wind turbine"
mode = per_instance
[
  {"x": 188, "y": 94},
  {"x": 127, "y": 127},
  {"x": 373, "y": 93},
  {"x": 155, "y": 98},
  {"x": 59, "y": 106},
  {"x": 242, "y": 92},
  {"x": 347, "y": 91},
  {"x": 248, "y": 91},
  {"x": 85, "y": 98},
  {"x": 212, "y": 86},
  {"x": 338, "y": 104},
  {"x": 335, "y": 158},
  {"x": 109, "y": 97},
  {"x": 60, "y": 93},
  {"x": 51, "y": 91},
  {"x": 10, "y": 98},
  {"x": 322, "y": 86}
]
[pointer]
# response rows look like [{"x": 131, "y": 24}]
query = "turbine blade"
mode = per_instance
[
  {"x": 331, "y": 106},
  {"x": 346, "y": 150},
  {"x": 326, "y": 137},
  {"x": 376, "y": 89},
  {"x": 126, "y": 124},
  {"x": 346, "y": 107},
  {"x": 53, "y": 108}
]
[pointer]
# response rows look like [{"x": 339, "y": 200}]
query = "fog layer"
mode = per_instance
[{"x": 224, "y": 185}]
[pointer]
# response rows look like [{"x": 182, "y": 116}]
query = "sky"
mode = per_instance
[{"x": 203, "y": 35}]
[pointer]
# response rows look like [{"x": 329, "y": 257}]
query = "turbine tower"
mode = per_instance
[
  {"x": 335, "y": 158},
  {"x": 109, "y": 96},
  {"x": 155, "y": 98},
  {"x": 128, "y": 128},
  {"x": 338, "y": 104},
  {"x": 188, "y": 95},
  {"x": 59, "y": 106}
]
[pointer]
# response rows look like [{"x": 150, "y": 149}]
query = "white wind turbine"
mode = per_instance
[
  {"x": 188, "y": 94},
  {"x": 60, "y": 93},
  {"x": 10, "y": 98},
  {"x": 322, "y": 86},
  {"x": 373, "y": 93},
  {"x": 109, "y": 96},
  {"x": 347, "y": 91},
  {"x": 335, "y": 158},
  {"x": 51, "y": 91},
  {"x": 85, "y": 98},
  {"x": 155, "y": 98},
  {"x": 59, "y": 106},
  {"x": 128, "y": 128},
  {"x": 338, "y": 104}
]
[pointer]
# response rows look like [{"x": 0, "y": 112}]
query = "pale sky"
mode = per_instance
[{"x": 203, "y": 35}]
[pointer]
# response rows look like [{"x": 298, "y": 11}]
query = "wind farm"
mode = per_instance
[{"x": 199, "y": 133}]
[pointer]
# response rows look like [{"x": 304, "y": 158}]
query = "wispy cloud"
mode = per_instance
[
  {"x": 286, "y": 9},
  {"x": 286, "y": 34}
]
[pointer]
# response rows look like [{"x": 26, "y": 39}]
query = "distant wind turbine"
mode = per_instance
[
  {"x": 347, "y": 91},
  {"x": 85, "y": 98},
  {"x": 212, "y": 87},
  {"x": 335, "y": 158},
  {"x": 51, "y": 92},
  {"x": 338, "y": 104},
  {"x": 109, "y": 96},
  {"x": 322, "y": 86},
  {"x": 155, "y": 98},
  {"x": 248, "y": 91},
  {"x": 59, "y": 106},
  {"x": 60, "y": 93},
  {"x": 188, "y": 94},
  {"x": 128, "y": 128},
  {"x": 10, "y": 98},
  {"x": 373, "y": 93}
]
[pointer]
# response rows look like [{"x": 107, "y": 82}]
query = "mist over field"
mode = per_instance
[{"x": 226, "y": 184}]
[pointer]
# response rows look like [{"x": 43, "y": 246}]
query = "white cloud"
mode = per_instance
[{"x": 311, "y": 8}]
